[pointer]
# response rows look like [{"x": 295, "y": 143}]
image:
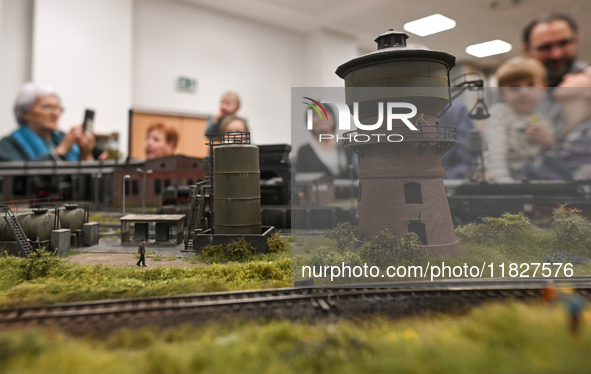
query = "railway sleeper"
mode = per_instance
[{"x": 323, "y": 304}]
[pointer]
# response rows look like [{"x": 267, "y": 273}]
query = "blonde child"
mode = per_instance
[{"x": 515, "y": 135}]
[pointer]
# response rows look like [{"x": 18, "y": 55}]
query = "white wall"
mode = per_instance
[
  {"x": 259, "y": 62},
  {"x": 326, "y": 52},
  {"x": 112, "y": 55},
  {"x": 16, "y": 22},
  {"x": 84, "y": 50}
]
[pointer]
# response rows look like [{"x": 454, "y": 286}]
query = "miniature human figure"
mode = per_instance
[
  {"x": 575, "y": 305},
  {"x": 513, "y": 124},
  {"x": 549, "y": 291},
  {"x": 326, "y": 156},
  {"x": 161, "y": 141},
  {"x": 229, "y": 104},
  {"x": 233, "y": 123},
  {"x": 142, "y": 252},
  {"x": 31, "y": 244},
  {"x": 37, "y": 110}
]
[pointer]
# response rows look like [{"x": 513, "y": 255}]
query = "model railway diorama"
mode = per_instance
[
  {"x": 176, "y": 184},
  {"x": 222, "y": 214}
]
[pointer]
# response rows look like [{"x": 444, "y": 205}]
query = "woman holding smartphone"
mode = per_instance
[{"x": 37, "y": 110}]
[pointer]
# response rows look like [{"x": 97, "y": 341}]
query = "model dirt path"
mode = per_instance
[{"x": 125, "y": 260}]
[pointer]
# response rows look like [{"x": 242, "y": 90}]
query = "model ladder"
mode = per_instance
[
  {"x": 192, "y": 219},
  {"x": 196, "y": 212},
  {"x": 17, "y": 230}
]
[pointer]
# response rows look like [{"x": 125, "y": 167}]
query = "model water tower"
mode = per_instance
[{"x": 401, "y": 183}]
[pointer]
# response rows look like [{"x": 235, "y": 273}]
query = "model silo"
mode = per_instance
[{"x": 236, "y": 184}]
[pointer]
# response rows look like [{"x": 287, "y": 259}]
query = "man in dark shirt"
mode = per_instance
[{"x": 142, "y": 252}]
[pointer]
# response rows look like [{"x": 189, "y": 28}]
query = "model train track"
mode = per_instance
[{"x": 391, "y": 299}]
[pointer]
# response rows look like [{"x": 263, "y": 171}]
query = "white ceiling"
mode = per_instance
[{"x": 477, "y": 20}]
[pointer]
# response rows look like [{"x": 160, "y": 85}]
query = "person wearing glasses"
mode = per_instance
[
  {"x": 553, "y": 40},
  {"x": 37, "y": 110}
]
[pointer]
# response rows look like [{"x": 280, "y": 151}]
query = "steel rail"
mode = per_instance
[
  {"x": 579, "y": 282},
  {"x": 396, "y": 299}
]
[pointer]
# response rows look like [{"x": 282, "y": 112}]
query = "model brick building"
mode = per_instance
[{"x": 176, "y": 170}]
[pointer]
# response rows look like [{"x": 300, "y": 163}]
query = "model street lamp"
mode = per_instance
[
  {"x": 144, "y": 172},
  {"x": 123, "y": 191},
  {"x": 97, "y": 177}
]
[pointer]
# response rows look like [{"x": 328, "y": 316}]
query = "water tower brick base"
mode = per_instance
[{"x": 384, "y": 175}]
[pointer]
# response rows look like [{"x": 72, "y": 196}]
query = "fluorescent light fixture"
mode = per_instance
[
  {"x": 430, "y": 25},
  {"x": 494, "y": 47}
]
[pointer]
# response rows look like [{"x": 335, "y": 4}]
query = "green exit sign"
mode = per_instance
[{"x": 186, "y": 84}]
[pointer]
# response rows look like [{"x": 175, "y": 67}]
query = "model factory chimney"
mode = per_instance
[{"x": 401, "y": 183}]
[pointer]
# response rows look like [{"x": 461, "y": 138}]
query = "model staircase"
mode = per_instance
[
  {"x": 17, "y": 230},
  {"x": 196, "y": 212},
  {"x": 192, "y": 219}
]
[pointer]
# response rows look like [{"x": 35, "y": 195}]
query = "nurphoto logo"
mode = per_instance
[{"x": 344, "y": 116}]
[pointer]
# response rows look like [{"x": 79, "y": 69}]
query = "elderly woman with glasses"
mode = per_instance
[{"x": 37, "y": 109}]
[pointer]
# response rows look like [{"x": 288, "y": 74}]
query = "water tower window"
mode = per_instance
[
  {"x": 419, "y": 229},
  {"x": 412, "y": 193},
  {"x": 167, "y": 183},
  {"x": 157, "y": 186}
]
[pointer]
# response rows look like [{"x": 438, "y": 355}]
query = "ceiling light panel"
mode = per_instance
[
  {"x": 430, "y": 25},
  {"x": 494, "y": 47}
]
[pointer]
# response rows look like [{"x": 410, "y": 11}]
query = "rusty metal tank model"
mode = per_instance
[
  {"x": 36, "y": 224},
  {"x": 401, "y": 183}
]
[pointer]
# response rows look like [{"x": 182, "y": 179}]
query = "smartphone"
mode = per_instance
[{"x": 88, "y": 124}]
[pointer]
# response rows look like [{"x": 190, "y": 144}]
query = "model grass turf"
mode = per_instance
[
  {"x": 22, "y": 284},
  {"x": 43, "y": 278},
  {"x": 505, "y": 240},
  {"x": 509, "y": 338},
  {"x": 510, "y": 239},
  {"x": 242, "y": 251}
]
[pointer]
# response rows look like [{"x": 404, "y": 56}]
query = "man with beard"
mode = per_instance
[{"x": 553, "y": 40}]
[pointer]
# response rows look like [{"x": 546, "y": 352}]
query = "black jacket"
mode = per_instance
[{"x": 308, "y": 162}]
